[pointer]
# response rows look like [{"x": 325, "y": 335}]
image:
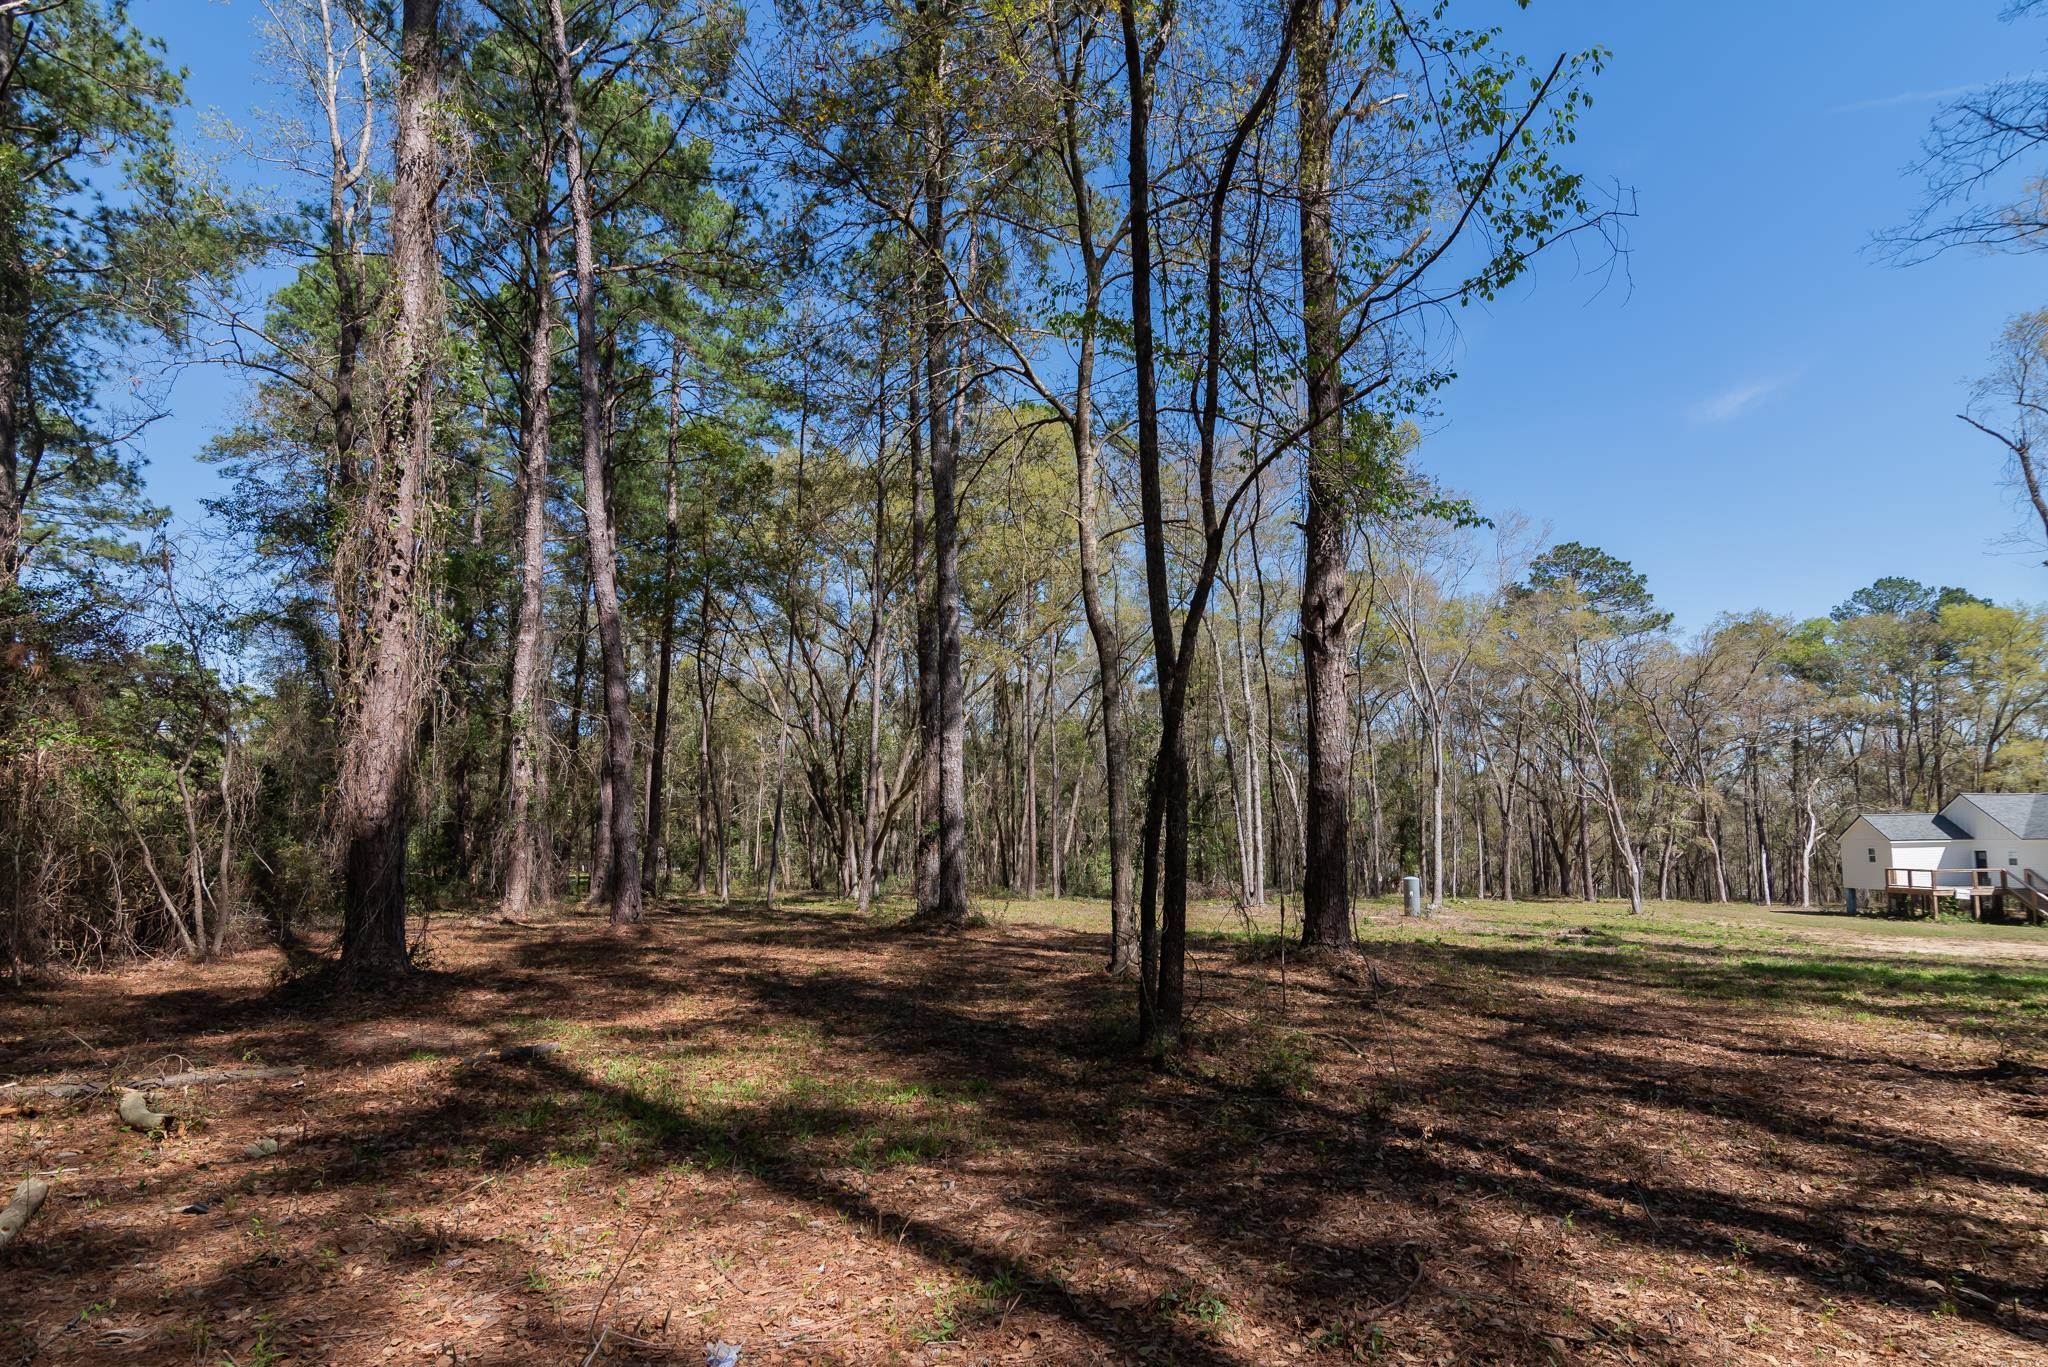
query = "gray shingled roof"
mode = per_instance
[
  {"x": 1915, "y": 826},
  {"x": 2024, "y": 814}
]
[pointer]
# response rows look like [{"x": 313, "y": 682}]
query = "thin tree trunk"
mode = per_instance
[
  {"x": 1273, "y": 862},
  {"x": 925, "y": 853},
  {"x": 344, "y": 249},
  {"x": 655, "y": 837},
  {"x": 1505, "y": 790},
  {"x": 622, "y": 882},
  {"x": 1375, "y": 809},
  {"x": 1478, "y": 791},
  {"x": 718, "y": 813},
  {"x": 871, "y": 779},
  {"x": 1164, "y": 886},
  {"x": 1109, "y": 664},
  {"x": 1762, "y": 835},
  {"x": 1326, "y": 886},
  {"x": 1436, "y": 810},
  {"x": 1585, "y": 825},
  {"x": 942, "y": 401},
  {"x": 1255, "y": 886},
  {"x": 1055, "y": 855},
  {"x": 1157, "y": 1021},
  {"x": 14, "y": 321},
  {"x": 13, "y": 367},
  {"x": 1027, "y": 815},
  {"x": 706, "y": 685},
  {"x": 1710, "y": 827},
  {"x": 775, "y": 824},
  {"x": 1240, "y": 817}
]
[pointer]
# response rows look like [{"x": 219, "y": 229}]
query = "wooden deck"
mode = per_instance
[{"x": 2023, "y": 888}]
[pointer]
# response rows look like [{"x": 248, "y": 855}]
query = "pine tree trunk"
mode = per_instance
[
  {"x": 622, "y": 864},
  {"x": 1055, "y": 854},
  {"x": 707, "y": 799},
  {"x": 381, "y": 724},
  {"x": 523, "y": 768},
  {"x": 14, "y": 318},
  {"x": 1027, "y": 823},
  {"x": 664, "y": 665},
  {"x": 926, "y": 852},
  {"x": 13, "y": 364},
  {"x": 942, "y": 402}
]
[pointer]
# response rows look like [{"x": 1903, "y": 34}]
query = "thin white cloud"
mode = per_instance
[
  {"x": 1736, "y": 400},
  {"x": 1906, "y": 97}
]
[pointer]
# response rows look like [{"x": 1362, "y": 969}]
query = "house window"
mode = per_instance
[
  {"x": 2012, "y": 858},
  {"x": 1872, "y": 852}
]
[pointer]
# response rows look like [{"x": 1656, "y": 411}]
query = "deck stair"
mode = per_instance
[{"x": 2028, "y": 891}]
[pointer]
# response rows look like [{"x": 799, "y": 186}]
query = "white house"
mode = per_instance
[{"x": 1981, "y": 845}]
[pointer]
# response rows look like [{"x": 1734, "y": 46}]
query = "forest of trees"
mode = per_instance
[{"x": 943, "y": 451}]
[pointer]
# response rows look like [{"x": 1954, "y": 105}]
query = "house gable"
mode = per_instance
[
  {"x": 1867, "y": 848},
  {"x": 1989, "y": 816}
]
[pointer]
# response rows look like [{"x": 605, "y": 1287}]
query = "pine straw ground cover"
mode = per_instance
[{"x": 1517, "y": 1138}]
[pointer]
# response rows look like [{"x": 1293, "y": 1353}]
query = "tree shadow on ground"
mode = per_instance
[{"x": 1451, "y": 1164}]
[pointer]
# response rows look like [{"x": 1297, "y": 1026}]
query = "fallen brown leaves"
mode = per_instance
[{"x": 827, "y": 1142}]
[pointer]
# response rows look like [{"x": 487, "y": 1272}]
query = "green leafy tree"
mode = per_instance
[{"x": 103, "y": 229}]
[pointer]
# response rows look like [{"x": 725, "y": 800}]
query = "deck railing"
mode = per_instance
[{"x": 1952, "y": 882}]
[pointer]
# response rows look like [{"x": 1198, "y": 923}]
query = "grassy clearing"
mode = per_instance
[
  {"x": 1961, "y": 975},
  {"x": 1710, "y": 922},
  {"x": 1989, "y": 981}
]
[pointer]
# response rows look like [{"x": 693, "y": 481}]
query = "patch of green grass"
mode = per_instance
[
  {"x": 1956, "y": 983},
  {"x": 769, "y": 1097},
  {"x": 1792, "y": 974},
  {"x": 1207, "y": 1310},
  {"x": 890, "y": 1149},
  {"x": 1360, "y": 1345},
  {"x": 960, "y": 1306},
  {"x": 549, "y": 1029},
  {"x": 261, "y": 1352},
  {"x": 1285, "y": 1064}
]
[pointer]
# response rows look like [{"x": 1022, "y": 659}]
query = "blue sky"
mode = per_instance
[{"x": 1762, "y": 413}]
